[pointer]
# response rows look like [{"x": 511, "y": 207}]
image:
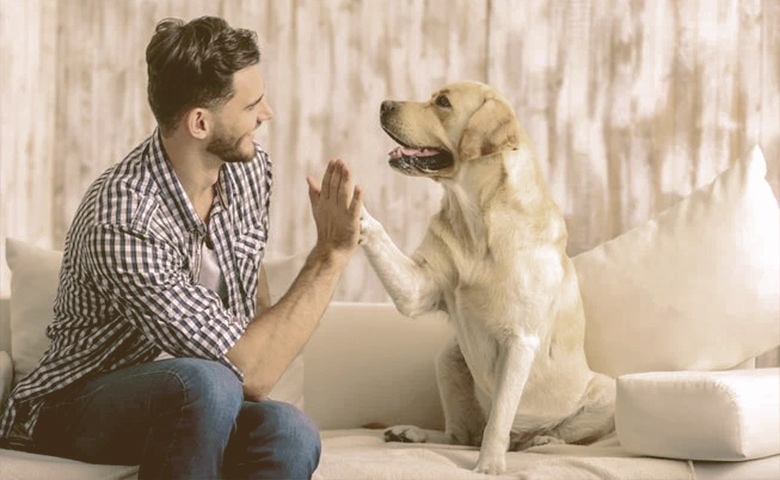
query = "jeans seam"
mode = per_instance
[{"x": 179, "y": 420}]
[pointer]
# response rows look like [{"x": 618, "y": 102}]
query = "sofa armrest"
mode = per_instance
[
  {"x": 6, "y": 376},
  {"x": 368, "y": 363}
]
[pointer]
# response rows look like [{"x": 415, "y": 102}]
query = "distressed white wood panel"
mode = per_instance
[{"x": 27, "y": 133}]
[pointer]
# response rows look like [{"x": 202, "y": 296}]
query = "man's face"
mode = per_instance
[{"x": 236, "y": 121}]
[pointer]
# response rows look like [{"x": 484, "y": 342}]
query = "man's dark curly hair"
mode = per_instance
[{"x": 192, "y": 65}]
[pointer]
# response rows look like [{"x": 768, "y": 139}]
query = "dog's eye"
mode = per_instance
[{"x": 443, "y": 101}]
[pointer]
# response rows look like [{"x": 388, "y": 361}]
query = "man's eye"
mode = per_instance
[{"x": 443, "y": 101}]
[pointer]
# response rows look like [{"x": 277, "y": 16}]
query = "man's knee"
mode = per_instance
[
  {"x": 289, "y": 421},
  {"x": 287, "y": 431},
  {"x": 208, "y": 386}
]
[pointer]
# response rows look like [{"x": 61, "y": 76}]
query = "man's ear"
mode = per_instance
[
  {"x": 198, "y": 122},
  {"x": 492, "y": 128}
]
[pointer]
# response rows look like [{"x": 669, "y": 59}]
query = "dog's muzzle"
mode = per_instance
[{"x": 409, "y": 159}]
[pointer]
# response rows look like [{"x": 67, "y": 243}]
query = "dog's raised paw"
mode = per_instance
[{"x": 406, "y": 434}]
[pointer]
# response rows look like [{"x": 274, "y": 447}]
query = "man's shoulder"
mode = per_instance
[{"x": 125, "y": 187}]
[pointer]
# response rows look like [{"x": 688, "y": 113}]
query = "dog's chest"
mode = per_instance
[
  {"x": 479, "y": 307},
  {"x": 481, "y": 344},
  {"x": 499, "y": 296}
]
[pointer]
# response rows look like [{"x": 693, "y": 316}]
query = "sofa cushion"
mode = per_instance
[
  {"x": 714, "y": 416},
  {"x": 363, "y": 455},
  {"x": 19, "y": 465},
  {"x": 696, "y": 288},
  {"x": 34, "y": 280}
]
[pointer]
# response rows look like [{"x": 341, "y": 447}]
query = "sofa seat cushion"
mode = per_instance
[
  {"x": 363, "y": 454},
  {"x": 15, "y": 465},
  {"x": 715, "y": 416}
]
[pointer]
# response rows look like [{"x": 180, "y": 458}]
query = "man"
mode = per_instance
[{"x": 164, "y": 343}]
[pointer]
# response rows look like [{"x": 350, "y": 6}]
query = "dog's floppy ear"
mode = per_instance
[{"x": 493, "y": 127}]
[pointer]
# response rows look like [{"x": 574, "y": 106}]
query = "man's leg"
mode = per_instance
[
  {"x": 172, "y": 417},
  {"x": 272, "y": 440}
]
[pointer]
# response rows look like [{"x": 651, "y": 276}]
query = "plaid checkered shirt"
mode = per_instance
[{"x": 128, "y": 286}]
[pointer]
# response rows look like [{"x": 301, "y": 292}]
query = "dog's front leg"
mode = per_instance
[
  {"x": 514, "y": 363},
  {"x": 412, "y": 290}
]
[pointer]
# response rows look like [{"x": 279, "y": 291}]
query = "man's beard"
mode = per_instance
[{"x": 228, "y": 148}]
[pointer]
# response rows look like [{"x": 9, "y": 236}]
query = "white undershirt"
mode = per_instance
[{"x": 210, "y": 274}]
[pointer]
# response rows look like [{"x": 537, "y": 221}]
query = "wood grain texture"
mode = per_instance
[
  {"x": 27, "y": 132},
  {"x": 631, "y": 105}
]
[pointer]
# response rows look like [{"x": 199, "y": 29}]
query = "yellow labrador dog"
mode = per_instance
[{"x": 494, "y": 259}]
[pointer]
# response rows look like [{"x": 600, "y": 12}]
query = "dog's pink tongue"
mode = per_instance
[{"x": 399, "y": 152}]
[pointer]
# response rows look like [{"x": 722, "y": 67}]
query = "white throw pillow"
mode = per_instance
[
  {"x": 718, "y": 416},
  {"x": 6, "y": 377},
  {"x": 34, "y": 280},
  {"x": 697, "y": 288}
]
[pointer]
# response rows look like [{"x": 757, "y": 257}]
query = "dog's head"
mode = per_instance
[{"x": 461, "y": 122}]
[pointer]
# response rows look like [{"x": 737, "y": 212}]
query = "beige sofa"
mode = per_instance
[{"x": 678, "y": 310}]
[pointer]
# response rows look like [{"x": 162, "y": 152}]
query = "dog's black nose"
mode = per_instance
[{"x": 387, "y": 107}]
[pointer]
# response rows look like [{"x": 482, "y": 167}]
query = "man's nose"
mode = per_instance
[{"x": 265, "y": 113}]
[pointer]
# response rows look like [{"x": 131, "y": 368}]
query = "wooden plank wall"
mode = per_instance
[{"x": 631, "y": 104}]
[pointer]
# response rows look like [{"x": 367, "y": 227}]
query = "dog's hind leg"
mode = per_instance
[
  {"x": 463, "y": 417},
  {"x": 593, "y": 420},
  {"x": 595, "y": 417}
]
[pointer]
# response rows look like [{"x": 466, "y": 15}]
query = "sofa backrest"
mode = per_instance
[{"x": 368, "y": 363}]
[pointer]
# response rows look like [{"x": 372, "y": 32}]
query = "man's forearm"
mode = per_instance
[
  {"x": 263, "y": 292},
  {"x": 275, "y": 337}
]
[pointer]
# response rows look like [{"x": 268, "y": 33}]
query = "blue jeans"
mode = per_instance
[{"x": 178, "y": 418}]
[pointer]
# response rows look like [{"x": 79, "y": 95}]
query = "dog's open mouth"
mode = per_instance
[
  {"x": 415, "y": 160},
  {"x": 424, "y": 160}
]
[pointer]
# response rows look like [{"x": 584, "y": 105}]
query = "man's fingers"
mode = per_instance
[
  {"x": 326, "y": 180},
  {"x": 314, "y": 188},
  {"x": 356, "y": 207},
  {"x": 337, "y": 185},
  {"x": 336, "y": 178},
  {"x": 346, "y": 187}
]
